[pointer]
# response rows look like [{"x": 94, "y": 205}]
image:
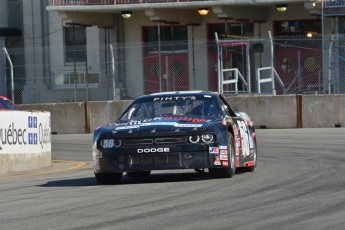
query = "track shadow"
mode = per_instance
[
  {"x": 77, "y": 182},
  {"x": 153, "y": 178}
]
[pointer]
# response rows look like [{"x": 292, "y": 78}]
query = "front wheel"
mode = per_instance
[
  {"x": 228, "y": 171},
  {"x": 108, "y": 178}
]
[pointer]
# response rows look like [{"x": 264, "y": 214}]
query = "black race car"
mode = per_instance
[{"x": 175, "y": 130}]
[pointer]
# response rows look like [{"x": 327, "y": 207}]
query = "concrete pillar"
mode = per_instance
[
  {"x": 32, "y": 31},
  {"x": 341, "y": 54},
  {"x": 3, "y": 23}
]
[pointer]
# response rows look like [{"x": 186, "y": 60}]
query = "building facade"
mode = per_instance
[{"x": 77, "y": 50}]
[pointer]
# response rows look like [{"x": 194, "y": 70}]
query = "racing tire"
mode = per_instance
[
  {"x": 108, "y": 178},
  {"x": 230, "y": 170},
  {"x": 138, "y": 174}
]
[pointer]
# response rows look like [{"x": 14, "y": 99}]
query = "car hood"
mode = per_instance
[{"x": 159, "y": 125}]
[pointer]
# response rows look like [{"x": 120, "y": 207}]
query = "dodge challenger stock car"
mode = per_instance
[{"x": 175, "y": 130}]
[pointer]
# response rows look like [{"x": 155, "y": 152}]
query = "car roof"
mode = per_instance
[{"x": 176, "y": 93}]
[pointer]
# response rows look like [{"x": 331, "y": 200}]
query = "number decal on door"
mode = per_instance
[{"x": 246, "y": 140}]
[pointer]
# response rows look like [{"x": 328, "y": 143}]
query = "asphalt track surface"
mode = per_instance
[{"x": 299, "y": 184}]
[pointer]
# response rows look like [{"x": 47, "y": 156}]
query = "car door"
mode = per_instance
[{"x": 242, "y": 129}]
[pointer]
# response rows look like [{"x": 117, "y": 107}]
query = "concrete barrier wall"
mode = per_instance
[
  {"x": 321, "y": 111},
  {"x": 25, "y": 141},
  {"x": 105, "y": 112},
  {"x": 266, "y": 111},
  {"x": 65, "y": 117}
]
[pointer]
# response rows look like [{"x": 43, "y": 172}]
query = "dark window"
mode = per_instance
[
  {"x": 75, "y": 44},
  {"x": 172, "y": 38},
  {"x": 231, "y": 30},
  {"x": 298, "y": 27}
]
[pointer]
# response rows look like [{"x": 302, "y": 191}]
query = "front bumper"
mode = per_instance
[{"x": 127, "y": 160}]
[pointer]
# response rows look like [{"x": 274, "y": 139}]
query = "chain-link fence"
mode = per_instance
[{"x": 305, "y": 65}]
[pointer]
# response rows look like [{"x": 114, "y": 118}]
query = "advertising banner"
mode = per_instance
[{"x": 24, "y": 132}]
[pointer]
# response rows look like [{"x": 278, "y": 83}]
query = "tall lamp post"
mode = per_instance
[
  {"x": 323, "y": 47},
  {"x": 73, "y": 24},
  {"x": 159, "y": 51},
  {"x": 193, "y": 54},
  {"x": 86, "y": 66},
  {"x": 172, "y": 23}
]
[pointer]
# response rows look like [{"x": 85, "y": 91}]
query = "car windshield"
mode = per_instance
[
  {"x": 161, "y": 106},
  {"x": 6, "y": 104}
]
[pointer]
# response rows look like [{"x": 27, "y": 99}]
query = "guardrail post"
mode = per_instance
[
  {"x": 87, "y": 117},
  {"x": 12, "y": 77},
  {"x": 299, "y": 111},
  {"x": 272, "y": 63}
]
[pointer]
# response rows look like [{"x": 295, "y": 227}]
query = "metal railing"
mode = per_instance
[
  {"x": 273, "y": 76},
  {"x": 113, "y": 2},
  {"x": 109, "y": 75},
  {"x": 327, "y": 3},
  {"x": 234, "y": 81}
]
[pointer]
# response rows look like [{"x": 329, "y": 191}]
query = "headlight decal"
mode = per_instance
[
  {"x": 204, "y": 138},
  {"x": 110, "y": 143},
  {"x": 194, "y": 139},
  {"x": 207, "y": 138}
]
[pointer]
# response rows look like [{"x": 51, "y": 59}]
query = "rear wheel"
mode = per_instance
[
  {"x": 228, "y": 171},
  {"x": 139, "y": 174},
  {"x": 108, "y": 178}
]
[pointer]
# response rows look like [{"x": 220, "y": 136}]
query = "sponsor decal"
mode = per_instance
[
  {"x": 217, "y": 161},
  {"x": 44, "y": 135},
  {"x": 32, "y": 138},
  {"x": 188, "y": 125},
  {"x": 223, "y": 152},
  {"x": 153, "y": 150},
  {"x": 213, "y": 150},
  {"x": 222, "y": 147},
  {"x": 246, "y": 140},
  {"x": 224, "y": 157},
  {"x": 32, "y": 133},
  {"x": 13, "y": 136},
  {"x": 189, "y": 119},
  {"x": 168, "y": 121},
  {"x": 157, "y": 123},
  {"x": 174, "y": 98},
  {"x": 238, "y": 143},
  {"x": 128, "y": 127},
  {"x": 225, "y": 163},
  {"x": 160, "y": 124}
]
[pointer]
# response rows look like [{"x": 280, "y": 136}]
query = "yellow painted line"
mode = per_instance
[{"x": 77, "y": 164}]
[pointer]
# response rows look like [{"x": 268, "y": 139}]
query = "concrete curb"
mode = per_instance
[{"x": 57, "y": 166}]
